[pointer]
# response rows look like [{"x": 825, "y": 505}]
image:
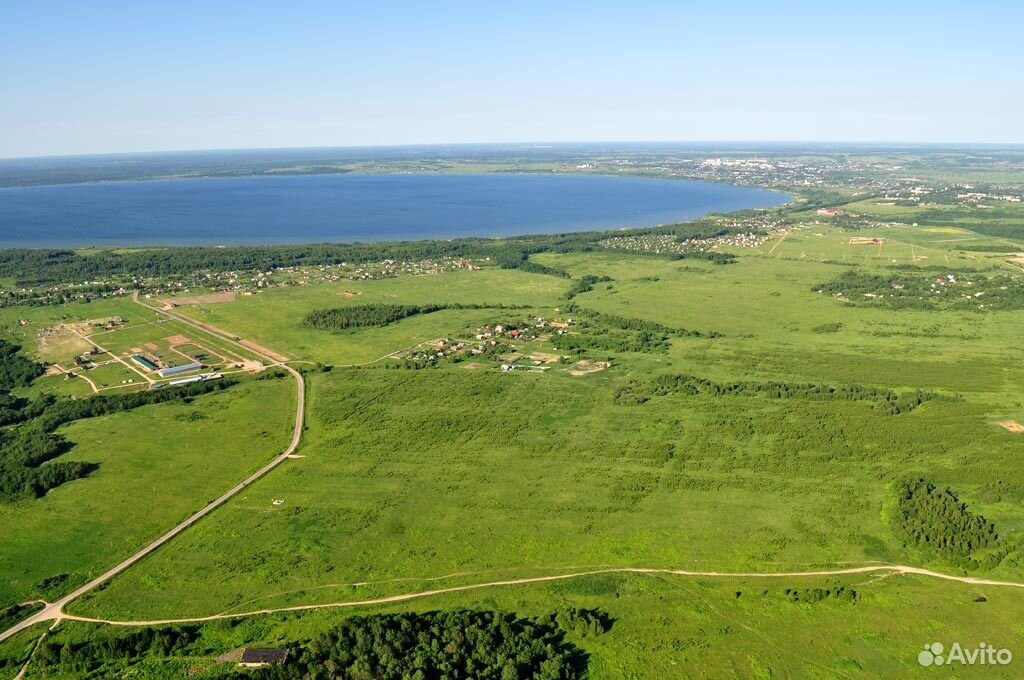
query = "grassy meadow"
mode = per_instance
[
  {"x": 274, "y": 318},
  {"x": 676, "y": 627},
  {"x": 157, "y": 465},
  {"x": 453, "y": 475}
]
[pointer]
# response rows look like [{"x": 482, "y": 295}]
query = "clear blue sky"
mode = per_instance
[{"x": 84, "y": 77}]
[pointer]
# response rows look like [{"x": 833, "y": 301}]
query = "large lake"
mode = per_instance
[{"x": 344, "y": 208}]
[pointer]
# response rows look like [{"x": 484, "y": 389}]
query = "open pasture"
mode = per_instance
[
  {"x": 274, "y": 318},
  {"x": 774, "y": 326},
  {"x": 157, "y": 464},
  {"x": 682, "y": 627},
  {"x": 524, "y": 472},
  {"x": 897, "y": 245}
]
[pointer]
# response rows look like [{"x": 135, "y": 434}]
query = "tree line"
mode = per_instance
[
  {"x": 359, "y": 316},
  {"x": 380, "y": 314},
  {"x": 885, "y": 401},
  {"x": 55, "y": 266},
  {"x": 82, "y": 658},
  {"x": 455, "y": 644},
  {"x": 16, "y": 370},
  {"x": 447, "y": 644},
  {"x": 28, "y": 450}
]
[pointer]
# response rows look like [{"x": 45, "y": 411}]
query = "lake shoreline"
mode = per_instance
[{"x": 340, "y": 208}]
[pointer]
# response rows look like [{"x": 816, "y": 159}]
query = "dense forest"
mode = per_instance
[
  {"x": 935, "y": 521},
  {"x": 28, "y": 449},
  {"x": 379, "y": 314},
  {"x": 46, "y": 267},
  {"x": 359, "y": 316},
  {"x": 885, "y": 401},
  {"x": 435, "y": 645},
  {"x": 83, "y": 658},
  {"x": 16, "y": 370}
]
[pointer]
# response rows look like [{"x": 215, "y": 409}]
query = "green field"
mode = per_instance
[
  {"x": 459, "y": 474},
  {"x": 156, "y": 465},
  {"x": 677, "y": 627},
  {"x": 274, "y": 318}
]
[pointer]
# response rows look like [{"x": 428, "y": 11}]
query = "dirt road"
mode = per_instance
[
  {"x": 891, "y": 569},
  {"x": 55, "y": 611}
]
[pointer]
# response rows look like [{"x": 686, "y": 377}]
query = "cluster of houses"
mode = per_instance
[
  {"x": 87, "y": 359},
  {"x": 393, "y": 268},
  {"x": 490, "y": 341},
  {"x": 660, "y": 244},
  {"x": 110, "y": 324},
  {"x": 533, "y": 329},
  {"x": 979, "y": 196},
  {"x": 923, "y": 195}
]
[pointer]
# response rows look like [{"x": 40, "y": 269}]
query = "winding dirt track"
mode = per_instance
[
  {"x": 55, "y": 611},
  {"x": 892, "y": 569}
]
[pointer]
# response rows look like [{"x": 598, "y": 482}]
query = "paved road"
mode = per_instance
[{"x": 55, "y": 610}]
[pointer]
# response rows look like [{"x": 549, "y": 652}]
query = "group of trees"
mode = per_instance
[
  {"x": 593, "y": 340},
  {"x": 86, "y": 657},
  {"x": 16, "y": 370},
  {"x": 579, "y": 622},
  {"x": 713, "y": 256},
  {"x": 935, "y": 521},
  {"x": 588, "y": 317},
  {"x": 585, "y": 284},
  {"x": 812, "y": 595},
  {"x": 434, "y": 645},
  {"x": 885, "y": 401},
  {"x": 599, "y": 332},
  {"x": 28, "y": 449},
  {"x": 448, "y": 644},
  {"x": 359, "y": 316},
  {"x": 380, "y": 314}
]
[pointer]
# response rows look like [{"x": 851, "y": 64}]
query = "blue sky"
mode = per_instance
[{"x": 90, "y": 77}]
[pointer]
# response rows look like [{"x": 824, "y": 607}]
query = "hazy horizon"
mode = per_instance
[
  {"x": 125, "y": 78},
  {"x": 720, "y": 145}
]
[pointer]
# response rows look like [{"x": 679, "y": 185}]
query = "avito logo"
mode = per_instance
[{"x": 934, "y": 654}]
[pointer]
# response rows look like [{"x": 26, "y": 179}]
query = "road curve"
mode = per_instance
[
  {"x": 55, "y": 610},
  {"x": 887, "y": 568}
]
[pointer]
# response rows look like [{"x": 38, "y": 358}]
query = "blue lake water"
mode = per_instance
[{"x": 345, "y": 208}]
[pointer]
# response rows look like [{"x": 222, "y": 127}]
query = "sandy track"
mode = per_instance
[
  {"x": 262, "y": 350},
  {"x": 886, "y": 569}
]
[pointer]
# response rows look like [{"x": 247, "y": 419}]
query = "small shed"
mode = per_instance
[{"x": 256, "y": 657}]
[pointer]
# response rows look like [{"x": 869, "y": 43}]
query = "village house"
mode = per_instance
[{"x": 262, "y": 658}]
